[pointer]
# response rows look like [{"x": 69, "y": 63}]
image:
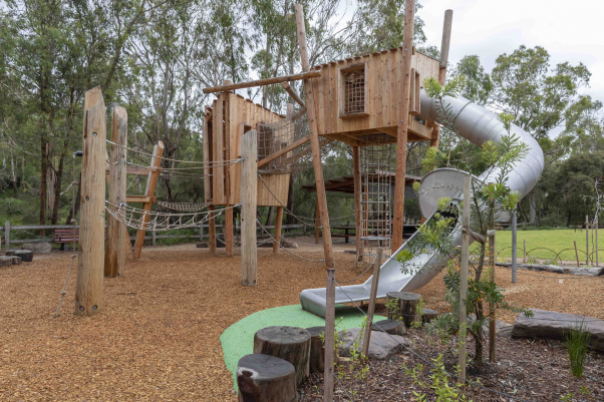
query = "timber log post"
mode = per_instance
[
  {"x": 289, "y": 343},
  {"x": 406, "y": 307},
  {"x": 263, "y": 378}
]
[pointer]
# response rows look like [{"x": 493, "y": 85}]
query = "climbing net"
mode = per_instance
[{"x": 141, "y": 219}]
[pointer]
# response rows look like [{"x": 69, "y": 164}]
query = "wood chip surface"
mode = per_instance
[{"x": 157, "y": 336}]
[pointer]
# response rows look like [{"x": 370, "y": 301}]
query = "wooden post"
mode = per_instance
[
  {"x": 292, "y": 93},
  {"x": 317, "y": 230},
  {"x": 371, "y": 308},
  {"x": 444, "y": 60},
  {"x": 115, "y": 249},
  {"x": 228, "y": 232},
  {"x": 402, "y": 126},
  {"x": 514, "y": 245},
  {"x": 212, "y": 229},
  {"x": 524, "y": 245},
  {"x": 153, "y": 237},
  {"x": 356, "y": 167},
  {"x": 91, "y": 260},
  {"x": 596, "y": 245},
  {"x": 249, "y": 198},
  {"x": 158, "y": 151},
  {"x": 577, "y": 254},
  {"x": 463, "y": 289},
  {"x": 587, "y": 239},
  {"x": 7, "y": 235},
  {"x": 278, "y": 223},
  {"x": 492, "y": 326},
  {"x": 330, "y": 318},
  {"x": 314, "y": 140}
]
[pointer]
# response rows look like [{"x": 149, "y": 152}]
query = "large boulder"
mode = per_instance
[
  {"x": 553, "y": 325},
  {"x": 381, "y": 345},
  {"x": 38, "y": 248}
]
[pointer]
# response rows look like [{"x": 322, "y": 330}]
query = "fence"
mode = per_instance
[{"x": 153, "y": 237}]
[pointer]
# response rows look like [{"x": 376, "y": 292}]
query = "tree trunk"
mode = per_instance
[
  {"x": 43, "y": 173},
  {"x": 289, "y": 343},
  {"x": 72, "y": 213},
  {"x": 264, "y": 378}
]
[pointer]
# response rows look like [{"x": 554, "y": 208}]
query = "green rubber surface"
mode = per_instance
[{"x": 238, "y": 339}]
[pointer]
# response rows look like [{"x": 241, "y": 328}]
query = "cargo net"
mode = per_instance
[
  {"x": 354, "y": 100},
  {"x": 277, "y": 136},
  {"x": 377, "y": 193}
]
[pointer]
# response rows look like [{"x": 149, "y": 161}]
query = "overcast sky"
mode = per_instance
[{"x": 569, "y": 30}]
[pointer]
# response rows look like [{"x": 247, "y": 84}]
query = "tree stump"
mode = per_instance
[
  {"x": 428, "y": 315},
  {"x": 406, "y": 307},
  {"x": 291, "y": 344},
  {"x": 392, "y": 327},
  {"x": 317, "y": 350},
  {"x": 263, "y": 378},
  {"x": 26, "y": 255},
  {"x": 12, "y": 251},
  {"x": 6, "y": 261}
]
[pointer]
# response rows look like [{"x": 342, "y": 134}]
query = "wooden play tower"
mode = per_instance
[{"x": 361, "y": 101}]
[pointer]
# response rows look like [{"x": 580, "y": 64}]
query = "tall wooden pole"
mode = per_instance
[
  {"x": 212, "y": 229},
  {"x": 91, "y": 261},
  {"x": 403, "y": 123},
  {"x": 278, "y": 223},
  {"x": 514, "y": 245},
  {"x": 314, "y": 139},
  {"x": 249, "y": 197},
  {"x": 372, "y": 296},
  {"x": 444, "y": 60},
  {"x": 229, "y": 232},
  {"x": 158, "y": 151},
  {"x": 115, "y": 248},
  {"x": 317, "y": 222},
  {"x": 596, "y": 245},
  {"x": 330, "y": 321},
  {"x": 587, "y": 239},
  {"x": 356, "y": 168},
  {"x": 463, "y": 289},
  {"x": 492, "y": 323}
]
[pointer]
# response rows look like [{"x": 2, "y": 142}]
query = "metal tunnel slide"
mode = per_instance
[{"x": 478, "y": 125}]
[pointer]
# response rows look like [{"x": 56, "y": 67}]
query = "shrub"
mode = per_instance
[{"x": 577, "y": 343}]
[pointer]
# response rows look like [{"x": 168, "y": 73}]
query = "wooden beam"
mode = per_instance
[
  {"x": 249, "y": 198},
  {"x": 314, "y": 140},
  {"x": 284, "y": 162},
  {"x": 330, "y": 320},
  {"x": 115, "y": 248},
  {"x": 292, "y": 93},
  {"x": 444, "y": 60},
  {"x": 356, "y": 167},
  {"x": 212, "y": 229},
  {"x": 207, "y": 190},
  {"x": 91, "y": 260},
  {"x": 402, "y": 127},
  {"x": 158, "y": 151},
  {"x": 266, "y": 81},
  {"x": 278, "y": 223},
  {"x": 229, "y": 237},
  {"x": 283, "y": 151},
  {"x": 140, "y": 198}
]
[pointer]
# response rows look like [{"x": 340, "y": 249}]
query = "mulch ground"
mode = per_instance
[
  {"x": 530, "y": 370},
  {"x": 157, "y": 336}
]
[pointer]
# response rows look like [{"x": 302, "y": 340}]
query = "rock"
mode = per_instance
[
  {"x": 553, "y": 325},
  {"x": 288, "y": 244},
  {"x": 392, "y": 327},
  {"x": 38, "y": 248},
  {"x": 381, "y": 346},
  {"x": 501, "y": 328},
  {"x": 203, "y": 245}
]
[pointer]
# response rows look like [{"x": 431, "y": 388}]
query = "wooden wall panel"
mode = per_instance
[
  {"x": 218, "y": 131},
  {"x": 279, "y": 186}
]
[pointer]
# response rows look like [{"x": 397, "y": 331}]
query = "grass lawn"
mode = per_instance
[{"x": 555, "y": 239}]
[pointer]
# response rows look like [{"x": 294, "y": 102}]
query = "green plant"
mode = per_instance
[
  {"x": 577, "y": 343},
  {"x": 567, "y": 398},
  {"x": 419, "y": 312},
  {"x": 445, "y": 390}
]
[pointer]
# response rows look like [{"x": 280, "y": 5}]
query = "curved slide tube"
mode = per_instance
[{"x": 478, "y": 125}]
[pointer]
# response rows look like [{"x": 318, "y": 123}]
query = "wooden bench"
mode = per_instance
[
  {"x": 346, "y": 235},
  {"x": 65, "y": 236}
]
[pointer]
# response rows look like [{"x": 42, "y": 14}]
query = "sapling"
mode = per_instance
[{"x": 490, "y": 197}]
